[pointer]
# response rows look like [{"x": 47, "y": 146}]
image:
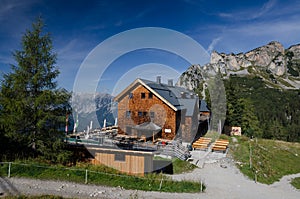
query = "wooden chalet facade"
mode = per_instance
[
  {"x": 146, "y": 108},
  {"x": 126, "y": 161}
]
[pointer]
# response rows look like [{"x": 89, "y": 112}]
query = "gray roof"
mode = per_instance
[
  {"x": 179, "y": 97},
  {"x": 203, "y": 106}
]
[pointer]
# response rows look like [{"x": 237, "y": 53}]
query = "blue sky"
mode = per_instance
[{"x": 77, "y": 27}]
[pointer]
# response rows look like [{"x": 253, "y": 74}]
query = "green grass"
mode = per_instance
[
  {"x": 180, "y": 166},
  {"x": 100, "y": 175},
  {"x": 296, "y": 183},
  {"x": 271, "y": 159}
]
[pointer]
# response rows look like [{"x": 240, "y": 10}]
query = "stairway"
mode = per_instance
[{"x": 175, "y": 149}]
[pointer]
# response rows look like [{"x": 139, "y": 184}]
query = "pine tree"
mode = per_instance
[
  {"x": 32, "y": 107},
  {"x": 249, "y": 121},
  {"x": 233, "y": 116}
]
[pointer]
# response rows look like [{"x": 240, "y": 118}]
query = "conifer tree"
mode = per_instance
[{"x": 32, "y": 108}]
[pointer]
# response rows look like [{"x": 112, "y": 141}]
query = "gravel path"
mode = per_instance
[{"x": 222, "y": 178}]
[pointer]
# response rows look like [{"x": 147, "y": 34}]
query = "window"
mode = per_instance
[
  {"x": 120, "y": 157},
  {"x": 140, "y": 113},
  {"x": 145, "y": 114},
  {"x": 130, "y": 95},
  {"x": 128, "y": 114},
  {"x": 143, "y": 95},
  {"x": 151, "y": 115},
  {"x": 150, "y": 95}
]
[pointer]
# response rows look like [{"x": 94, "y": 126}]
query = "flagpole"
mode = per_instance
[
  {"x": 67, "y": 119},
  {"x": 66, "y": 129}
]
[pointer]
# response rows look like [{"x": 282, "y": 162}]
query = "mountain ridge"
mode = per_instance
[
  {"x": 277, "y": 66},
  {"x": 93, "y": 107}
]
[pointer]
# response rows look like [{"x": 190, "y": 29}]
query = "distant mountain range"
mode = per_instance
[
  {"x": 93, "y": 107},
  {"x": 278, "y": 67}
]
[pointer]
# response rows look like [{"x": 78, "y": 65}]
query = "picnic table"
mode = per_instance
[{"x": 201, "y": 143}]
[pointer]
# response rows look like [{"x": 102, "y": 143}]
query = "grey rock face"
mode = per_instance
[{"x": 270, "y": 59}]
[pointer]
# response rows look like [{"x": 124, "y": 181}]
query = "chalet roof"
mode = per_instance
[{"x": 176, "y": 97}]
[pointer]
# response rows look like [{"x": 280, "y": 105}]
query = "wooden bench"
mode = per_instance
[
  {"x": 199, "y": 146},
  {"x": 220, "y": 145},
  {"x": 201, "y": 143},
  {"x": 222, "y": 142},
  {"x": 225, "y": 141},
  {"x": 219, "y": 148}
]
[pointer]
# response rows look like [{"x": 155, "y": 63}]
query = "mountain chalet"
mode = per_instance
[{"x": 153, "y": 110}]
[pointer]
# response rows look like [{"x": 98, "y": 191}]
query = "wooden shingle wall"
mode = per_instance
[
  {"x": 164, "y": 116},
  {"x": 130, "y": 162}
]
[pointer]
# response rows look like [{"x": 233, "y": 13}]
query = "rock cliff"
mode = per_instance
[{"x": 279, "y": 67}]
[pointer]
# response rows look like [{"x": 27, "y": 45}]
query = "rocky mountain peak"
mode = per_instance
[
  {"x": 296, "y": 51},
  {"x": 268, "y": 61}
]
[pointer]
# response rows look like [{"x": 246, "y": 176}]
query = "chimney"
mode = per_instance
[
  {"x": 158, "y": 79},
  {"x": 183, "y": 95},
  {"x": 170, "y": 82}
]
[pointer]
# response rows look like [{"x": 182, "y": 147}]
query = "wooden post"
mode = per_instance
[
  {"x": 86, "y": 176},
  {"x": 160, "y": 183},
  {"x": 255, "y": 176},
  {"x": 9, "y": 167},
  {"x": 153, "y": 137},
  {"x": 250, "y": 154},
  {"x": 201, "y": 186}
]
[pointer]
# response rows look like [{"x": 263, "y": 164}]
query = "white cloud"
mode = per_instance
[
  {"x": 213, "y": 44},
  {"x": 6, "y": 59},
  {"x": 264, "y": 9},
  {"x": 245, "y": 37},
  {"x": 225, "y": 15},
  {"x": 249, "y": 14},
  {"x": 14, "y": 8},
  {"x": 73, "y": 50}
]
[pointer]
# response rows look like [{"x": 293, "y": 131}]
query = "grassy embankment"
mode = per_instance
[
  {"x": 179, "y": 166},
  {"x": 296, "y": 183},
  {"x": 100, "y": 175},
  {"x": 270, "y": 159}
]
